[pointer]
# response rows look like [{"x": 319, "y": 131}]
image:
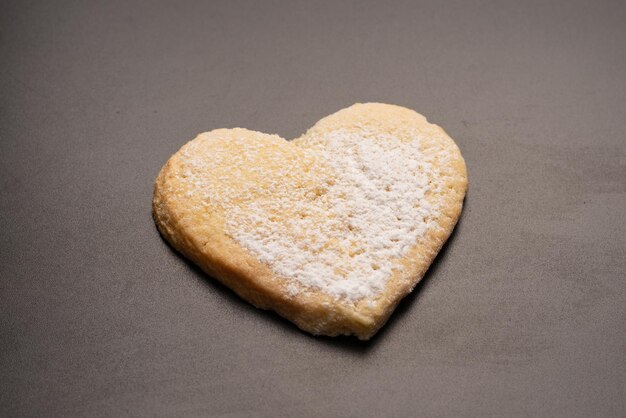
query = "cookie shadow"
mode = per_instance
[{"x": 343, "y": 343}]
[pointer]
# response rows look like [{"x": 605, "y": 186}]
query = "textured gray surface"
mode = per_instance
[{"x": 523, "y": 314}]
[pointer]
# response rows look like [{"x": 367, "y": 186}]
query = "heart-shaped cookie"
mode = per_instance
[{"x": 330, "y": 230}]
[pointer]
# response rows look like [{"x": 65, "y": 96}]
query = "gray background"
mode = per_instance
[{"x": 523, "y": 313}]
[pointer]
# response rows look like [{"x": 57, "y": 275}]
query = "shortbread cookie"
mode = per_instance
[{"x": 330, "y": 230}]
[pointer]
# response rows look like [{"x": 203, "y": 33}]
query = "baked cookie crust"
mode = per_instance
[{"x": 199, "y": 225}]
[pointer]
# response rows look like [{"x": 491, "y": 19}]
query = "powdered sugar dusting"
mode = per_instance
[{"x": 335, "y": 216}]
